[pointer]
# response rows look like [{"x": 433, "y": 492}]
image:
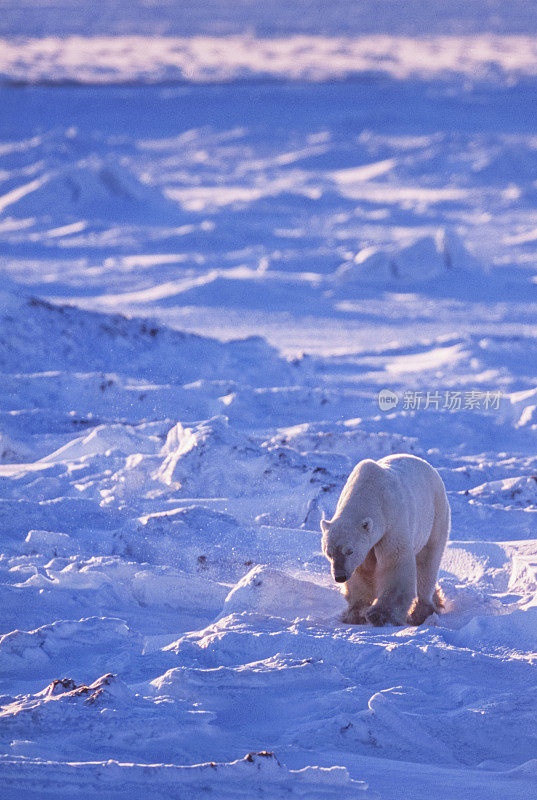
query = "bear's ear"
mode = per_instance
[
  {"x": 325, "y": 525},
  {"x": 367, "y": 524}
]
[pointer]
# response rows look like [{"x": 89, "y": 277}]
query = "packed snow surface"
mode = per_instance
[{"x": 204, "y": 285}]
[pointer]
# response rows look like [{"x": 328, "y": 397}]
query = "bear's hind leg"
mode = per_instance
[
  {"x": 360, "y": 591},
  {"x": 430, "y": 599},
  {"x": 439, "y": 601}
]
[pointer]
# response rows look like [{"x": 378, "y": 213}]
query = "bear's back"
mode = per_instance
[
  {"x": 411, "y": 469},
  {"x": 420, "y": 487}
]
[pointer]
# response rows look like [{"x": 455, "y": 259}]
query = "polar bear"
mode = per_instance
[{"x": 386, "y": 539}]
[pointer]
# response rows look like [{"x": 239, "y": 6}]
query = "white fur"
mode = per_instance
[{"x": 386, "y": 540}]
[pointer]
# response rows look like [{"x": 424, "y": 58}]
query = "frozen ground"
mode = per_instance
[{"x": 203, "y": 289}]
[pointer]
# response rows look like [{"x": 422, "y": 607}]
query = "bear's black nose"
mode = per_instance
[{"x": 340, "y": 578}]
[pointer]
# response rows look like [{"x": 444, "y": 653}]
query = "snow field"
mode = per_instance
[
  {"x": 184, "y": 559},
  {"x": 204, "y": 287}
]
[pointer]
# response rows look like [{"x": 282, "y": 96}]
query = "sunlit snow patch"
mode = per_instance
[
  {"x": 426, "y": 258},
  {"x": 268, "y": 591}
]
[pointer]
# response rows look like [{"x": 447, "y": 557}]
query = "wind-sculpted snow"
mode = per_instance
[
  {"x": 64, "y": 339},
  {"x": 441, "y": 722},
  {"x": 428, "y": 257},
  {"x": 258, "y": 772}
]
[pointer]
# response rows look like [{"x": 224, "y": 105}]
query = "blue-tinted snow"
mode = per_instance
[{"x": 203, "y": 290}]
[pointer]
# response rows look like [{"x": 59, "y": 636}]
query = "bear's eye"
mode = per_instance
[
  {"x": 365, "y": 524},
  {"x": 348, "y": 551}
]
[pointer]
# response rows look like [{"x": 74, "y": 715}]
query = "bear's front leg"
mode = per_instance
[
  {"x": 360, "y": 591},
  {"x": 396, "y": 585}
]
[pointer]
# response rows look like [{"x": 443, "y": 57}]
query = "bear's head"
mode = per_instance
[{"x": 346, "y": 546}]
